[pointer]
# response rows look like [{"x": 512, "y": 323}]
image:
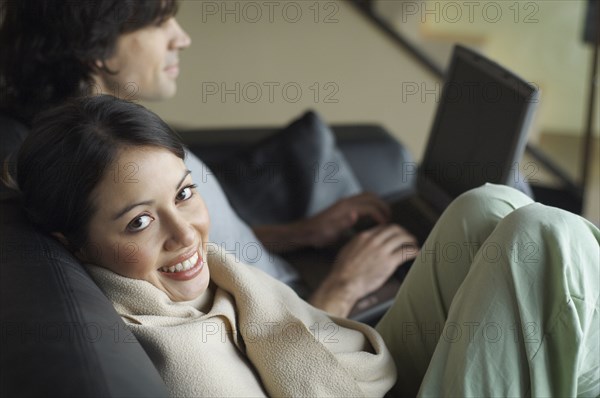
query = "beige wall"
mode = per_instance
[
  {"x": 350, "y": 72},
  {"x": 356, "y": 71},
  {"x": 541, "y": 40}
]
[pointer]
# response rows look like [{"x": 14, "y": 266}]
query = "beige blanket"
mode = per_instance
[{"x": 249, "y": 335}]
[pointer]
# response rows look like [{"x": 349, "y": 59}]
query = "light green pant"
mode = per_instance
[{"x": 503, "y": 300}]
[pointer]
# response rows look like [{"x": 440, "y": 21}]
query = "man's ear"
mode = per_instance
[
  {"x": 61, "y": 238},
  {"x": 98, "y": 83},
  {"x": 65, "y": 242}
]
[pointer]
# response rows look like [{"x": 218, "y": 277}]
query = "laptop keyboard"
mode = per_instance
[{"x": 415, "y": 216}]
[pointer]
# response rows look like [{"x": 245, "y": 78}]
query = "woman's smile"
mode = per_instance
[{"x": 184, "y": 270}]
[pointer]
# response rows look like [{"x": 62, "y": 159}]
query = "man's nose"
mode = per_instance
[{"x": 181, "y": 39}]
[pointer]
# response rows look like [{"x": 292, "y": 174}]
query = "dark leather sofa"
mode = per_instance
[{"x": 59, "y": 334}]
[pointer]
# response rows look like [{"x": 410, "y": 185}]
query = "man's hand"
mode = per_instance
[
  {"x": 363, "y": 265},
  {"x": 326, "y": 227}
]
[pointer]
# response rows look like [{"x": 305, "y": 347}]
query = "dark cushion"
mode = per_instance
[
  {"x": 380, "y": 162},
  {"x": 287, "y": 176}
]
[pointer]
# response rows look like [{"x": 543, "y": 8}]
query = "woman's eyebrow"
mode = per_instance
[
  {"x": 187, "y": 172},
  {"x": 127, "y": 208}
]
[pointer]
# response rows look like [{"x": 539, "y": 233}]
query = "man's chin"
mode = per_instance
[{"x": 161, "y": 95}]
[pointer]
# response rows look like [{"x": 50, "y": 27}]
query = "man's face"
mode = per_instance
[{"x": 146, "y": 62}]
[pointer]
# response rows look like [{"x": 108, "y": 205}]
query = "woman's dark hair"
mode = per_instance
[
  {"x": 48, "y": 48},
  {"x": 70, "y": 149}
]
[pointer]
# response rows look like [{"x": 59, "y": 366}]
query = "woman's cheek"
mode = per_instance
[{"x": 133, "y": 259}]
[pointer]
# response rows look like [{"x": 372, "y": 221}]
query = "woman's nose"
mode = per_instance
[{"x": 180, "y": 233}]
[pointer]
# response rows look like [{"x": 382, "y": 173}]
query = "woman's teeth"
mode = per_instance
[{"x": 182, "y": 266}]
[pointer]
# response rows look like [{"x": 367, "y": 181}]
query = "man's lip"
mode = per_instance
[{"x": 172, "y": 68}]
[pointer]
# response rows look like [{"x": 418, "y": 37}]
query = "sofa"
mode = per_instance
[{"x": 59, "y": 334}]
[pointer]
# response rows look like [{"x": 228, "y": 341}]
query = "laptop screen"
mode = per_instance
[{"x": 479, "y": 132}]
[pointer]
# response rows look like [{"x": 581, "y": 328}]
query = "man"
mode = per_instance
[{"x": 52, "y": 50}]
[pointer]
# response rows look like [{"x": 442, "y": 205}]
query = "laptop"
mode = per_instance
[{"x": 478, "y": 135}]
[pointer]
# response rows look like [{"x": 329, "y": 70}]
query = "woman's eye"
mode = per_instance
[
  {"x": 185, "y": 193},
  {"x": 139, "y": 223}
]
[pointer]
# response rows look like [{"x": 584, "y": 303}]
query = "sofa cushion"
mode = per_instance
[{"x": 289, "y": 175}]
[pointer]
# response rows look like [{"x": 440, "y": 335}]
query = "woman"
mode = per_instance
[
  {"x": 106, "y": 177},
  {"x": 215, "y": 328}
]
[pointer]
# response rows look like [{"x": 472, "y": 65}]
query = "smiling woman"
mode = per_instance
[
  {"x": 141, "y": 217},
  {"x": 107, "y": 178}
]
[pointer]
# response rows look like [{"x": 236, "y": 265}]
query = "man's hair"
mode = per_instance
[{"x": 48, "y": 48}]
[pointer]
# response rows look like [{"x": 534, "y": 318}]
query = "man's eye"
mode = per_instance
[
  {"x": 186, "y": 193},
  {"x": 139, "y": 223},
  {"x": 163, "y": 22}
]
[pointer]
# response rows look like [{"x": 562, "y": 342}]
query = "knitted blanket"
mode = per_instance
[{"x": 249, "y": 335}]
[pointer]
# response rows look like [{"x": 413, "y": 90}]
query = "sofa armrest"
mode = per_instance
[{"x": 60, "y": 335}]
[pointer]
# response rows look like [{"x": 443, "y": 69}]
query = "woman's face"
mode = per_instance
[
  {"x": 150, "y": 223},
  {"x": 146, "y": 62}
]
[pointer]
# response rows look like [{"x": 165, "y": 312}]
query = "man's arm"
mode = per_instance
[
  {"x": 324, "y": 228},
  {"x": 363, "y": 264}
]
